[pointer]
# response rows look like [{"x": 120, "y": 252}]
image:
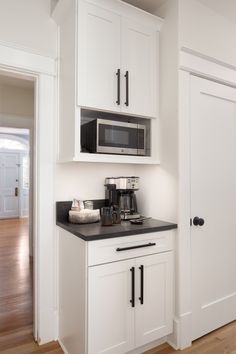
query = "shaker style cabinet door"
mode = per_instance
[
  {"x": 139, "y": 69},
  {"x": 110, "y": 313},
  {"x": 154, "y": 310},
  {"x": 98, "y": 58}
]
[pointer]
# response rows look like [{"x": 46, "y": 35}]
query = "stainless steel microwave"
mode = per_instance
[{"x": 113, "y": 137}]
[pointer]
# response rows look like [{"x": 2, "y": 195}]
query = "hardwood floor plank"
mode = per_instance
[
  {"x": 221, "y": 341},
  {"x": 16, "y": 306},
  {"x": 21, "y": 341},
  {"x": 16, "y": 309}
]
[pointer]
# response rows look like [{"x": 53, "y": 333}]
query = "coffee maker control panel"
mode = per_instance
[
  {"x": 133, "y": 183},
  {"x": 124, "y": 183}
]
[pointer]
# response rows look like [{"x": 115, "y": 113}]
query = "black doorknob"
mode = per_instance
[{"x": 198, "y": 221}]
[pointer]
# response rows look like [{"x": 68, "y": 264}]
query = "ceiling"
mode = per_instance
[
  {"x": 10, "y": 80},
  {"x": 226, "y": 8},
  {"x": 146, "y": 5}
]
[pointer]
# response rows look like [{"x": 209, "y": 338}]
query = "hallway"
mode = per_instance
[
  {"x": 16, "y": 306},
  {"x": 15, "y": 275}
]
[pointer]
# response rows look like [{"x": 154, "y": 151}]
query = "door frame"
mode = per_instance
[
  {"x": 41, "y": 69},
  {"x": 197, "y": 64}
]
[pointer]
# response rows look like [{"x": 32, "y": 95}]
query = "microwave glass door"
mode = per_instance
[{"x": 121, "y": 139}]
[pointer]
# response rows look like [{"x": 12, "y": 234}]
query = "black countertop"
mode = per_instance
[{"x": 95, "y": 231}]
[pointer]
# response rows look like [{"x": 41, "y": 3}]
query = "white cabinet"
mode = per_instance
[
  {"x": 140, "y": 66},
  {"x": 130, "y": 303},
  {"x": 117, "y": 61},
  {"x": 154, "y": 316},
  {"x": 110, "y": 314},
  {"x": 98, "y": 57},
  {"x": 108, "y": 64},
  {"x": 115, "y": 305}
]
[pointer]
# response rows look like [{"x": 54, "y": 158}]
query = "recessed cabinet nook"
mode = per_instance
[{"x": 108, "y": 69}]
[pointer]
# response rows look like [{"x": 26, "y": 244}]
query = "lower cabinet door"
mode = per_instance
[
  {"x": 110, "y": 312},
  {"x": 154, "y": 297}
]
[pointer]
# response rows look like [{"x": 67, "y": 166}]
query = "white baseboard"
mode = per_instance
[
  {"x": 62, "y": 346},
  {"x": 173, "y": 338},
  {"x": 181, "y": 337},
  {"x": 148, "y": 346}
]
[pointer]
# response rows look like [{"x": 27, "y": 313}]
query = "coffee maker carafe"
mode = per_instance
[{"x": 120, "y": 192}]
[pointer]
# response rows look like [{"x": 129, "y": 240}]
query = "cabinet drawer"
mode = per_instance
[{"x": 115, "y": 249}]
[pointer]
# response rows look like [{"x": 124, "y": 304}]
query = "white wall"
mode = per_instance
[
  {"x": 86, "y": 180},
  {"x": 159, "y": 183},
  {"x": 205, "y": 31},
  {"x": 27, "y": 23},
  {"x": 16, "y": 101}
]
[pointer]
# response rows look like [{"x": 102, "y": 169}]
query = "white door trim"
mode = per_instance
[
  {"x": 24, "y": 60},
  {"x": 207, "y": 67},
  {"x": 42, "y": 70},
  {"x": 190, "y": 63}
]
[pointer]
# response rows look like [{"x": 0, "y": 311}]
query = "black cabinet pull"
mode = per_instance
[
  {"x": 141, "y": 284},
  {"x": 132, "y": 301},
  {"x": 134, "y": 247},
  {"x": 127, "y": 88},
  {"x": 118, "y": 86}
]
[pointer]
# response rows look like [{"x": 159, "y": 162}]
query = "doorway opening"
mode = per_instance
[{"x": 16, "y": 203}]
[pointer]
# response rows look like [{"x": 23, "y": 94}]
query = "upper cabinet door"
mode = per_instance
[
  {"x": 98, "y": 57},
  {"x": 139, "y": 65}
]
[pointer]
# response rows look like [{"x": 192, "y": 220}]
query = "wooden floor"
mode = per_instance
[
  {"x": 16, "y": 312},
  {"x": 15, "y": 275},
  {"x": 21, "y": 341},
  {"x": 221, "y": 341}
]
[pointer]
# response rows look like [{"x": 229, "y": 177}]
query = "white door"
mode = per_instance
[
  {"x": 110, "y": 313},
  {"x": 154, "y": 310},
  {"x": 9, "y": 185},
  {"x": 213, "y": 199},
  {"x": 139, "y": 65},
  {"x": 99, "y": 57}
]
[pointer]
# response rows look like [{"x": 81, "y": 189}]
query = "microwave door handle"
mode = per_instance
[{"x": 139, "y": 150}]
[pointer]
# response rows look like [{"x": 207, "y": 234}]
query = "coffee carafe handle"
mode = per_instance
[{"x": 133, "y": 205}]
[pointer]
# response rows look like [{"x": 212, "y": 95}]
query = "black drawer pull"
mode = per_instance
[
  {"x": 132, "y": 301},
  {"x": 141, "y": 298},
  {"x": 134, "y": 247}
]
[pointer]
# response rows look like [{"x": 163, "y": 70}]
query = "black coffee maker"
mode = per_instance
[{"x": 120, "y": 192}]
